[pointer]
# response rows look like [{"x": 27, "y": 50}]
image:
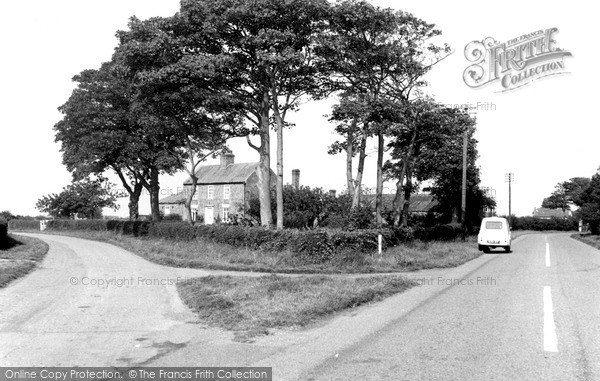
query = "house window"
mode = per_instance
[
  {"x": 195, "y": 196},
  {"x": 225, "y": 213},
  {"x": 211, "y": 192},
  {"x": 227, "y": 192}
]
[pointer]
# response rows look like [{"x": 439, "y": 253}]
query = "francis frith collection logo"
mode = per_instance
[{"x": 514, "y": 63}]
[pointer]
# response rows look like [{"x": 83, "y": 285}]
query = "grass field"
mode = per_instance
[
  {"x": 250, "y": 306},
  {"x": 592, "y": 240},
  {"x": 200, "y": 254},
  {"x": 20, "y": 256}
]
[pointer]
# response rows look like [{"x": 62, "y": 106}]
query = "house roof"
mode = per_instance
[
  {"x": 178, "y": 198},
  {"x": 216, "y": 174},
  {"x": 419, "y": 203}
]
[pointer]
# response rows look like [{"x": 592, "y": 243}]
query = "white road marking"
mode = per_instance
[
  {"x": 550, "y": 339},
  {"x": 547, "y": 254}
]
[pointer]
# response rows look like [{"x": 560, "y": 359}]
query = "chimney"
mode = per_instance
[
  {"x": 296, "y": 178},
  {"x": 227, "y": 159},
  {"x": 332, "y": 192}
]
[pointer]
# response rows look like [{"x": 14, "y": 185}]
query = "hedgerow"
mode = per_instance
[
  {"x": 3, "y": 232},
  {"x": 309, "y": 246},
  {"x": 17, "y": 224},
  {"x": 539, "y": 224}
]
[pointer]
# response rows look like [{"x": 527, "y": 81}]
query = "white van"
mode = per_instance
[{"x": 494, "y": 232}]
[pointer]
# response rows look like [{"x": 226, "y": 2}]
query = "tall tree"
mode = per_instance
[
  {"x": 566, "y": 193},
  {"x": 441, "y": 163},
  {"x": 379, "y": 55},
  {"x": 197, "y": 119},
  {"x": 589, "y": 204},
  {"x": 350, "y": 115},
  {"x": 99, "y": 132},
  {"x": 424, "y": 129},
  {"x": 260, "y": 52}
]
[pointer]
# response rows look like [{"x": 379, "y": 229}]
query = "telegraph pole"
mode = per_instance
[
  {"x": 463, "y": 203},
  {"x": 509, "y": 178}
]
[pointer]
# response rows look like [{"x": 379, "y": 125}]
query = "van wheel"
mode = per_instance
[
  {"x": 486, "y": 249},
  {"x": 507, "y": 249}
]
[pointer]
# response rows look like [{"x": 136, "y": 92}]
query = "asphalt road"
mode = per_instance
[{"x": 533, "y": 314}]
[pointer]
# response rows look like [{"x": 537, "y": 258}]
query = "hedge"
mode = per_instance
[
  {"x": 24, "y": 224},
  {"x": 446, "y": 232},
  {"x": 3, "y": 232},
  {"x": 538, "y": 224},
  {"x": 314, "y": 246}
]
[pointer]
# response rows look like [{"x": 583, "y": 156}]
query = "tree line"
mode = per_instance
[
  {"x": 177, "y": 88},
  {"x": 583, "y": 192}
]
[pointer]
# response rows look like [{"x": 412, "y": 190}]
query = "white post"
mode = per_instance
[{"x": 379, "y": 243}]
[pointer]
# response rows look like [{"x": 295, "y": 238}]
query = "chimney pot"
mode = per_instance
[
  {"x": 227, "y": 159},
  {"x": 296, "y": 178}
]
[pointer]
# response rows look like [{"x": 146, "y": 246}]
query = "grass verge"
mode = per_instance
[
  {"x": 592, "y": 240},
  {"x": 19, "y": 256},
  {"x": 412, "y": 256},
  {"x": 250, "y": 306}
]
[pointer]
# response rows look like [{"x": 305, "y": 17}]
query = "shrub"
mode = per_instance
[
  {"x": 3, "y": 231},
  {"x": 172, "y": 217},
  {"x": 308, "y": 246},
  {"x": 175, "y": 230},
  {"x": 24, "y": 225},
  {"x": 539, "y": 224},
  {"x": 447, "y": 232},
  {"x": 97, "y": 225}
]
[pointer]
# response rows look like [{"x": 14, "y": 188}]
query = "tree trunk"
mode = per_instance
[
  {"x": 350, "y": 157},
  {"x": 407, "y": 194},
  {"x": 399, "y": 198},
  {"x": 134, "y": 200},
  {"x": 263, "y": 171},
  {"x": 279, "y": 182},
  {"x": 154, "y": 193},
  {"x": 379, "y": 190},
  {"x": 134, "y": 193},
  {"x": 359, "y": 172},
  {"x": 188, "y": 200}
]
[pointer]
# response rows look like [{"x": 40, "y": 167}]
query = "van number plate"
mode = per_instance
[{"x": 493, "y": 241}]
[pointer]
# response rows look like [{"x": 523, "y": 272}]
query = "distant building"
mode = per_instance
[
  {"x": 547, "y": 213},
  {"x": 223, "y": 190},
  {"x": 174, "y": 204}
]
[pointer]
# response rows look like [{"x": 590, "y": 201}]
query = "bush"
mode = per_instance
[
  {"x": 447, "y": 232},
  {"x": 96, "y": 225},
  {"x": 24, "y": 224},
  {"x": 3, "y": 231},
  {"x": 539, "y": 224},
  {"x": 308, "y": 246},
  {"x": 172, "y": 217}
]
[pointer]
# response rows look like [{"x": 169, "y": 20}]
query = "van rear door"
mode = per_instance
[{"x": 495, "y": 232}]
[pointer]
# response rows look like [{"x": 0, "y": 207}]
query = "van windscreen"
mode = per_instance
[{"x": 493, "y": 225}]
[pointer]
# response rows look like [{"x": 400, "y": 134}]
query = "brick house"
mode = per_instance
[{"x": 223, "y": 190}]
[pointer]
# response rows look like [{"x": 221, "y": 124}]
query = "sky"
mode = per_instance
[{"x": 544, "y": 132}]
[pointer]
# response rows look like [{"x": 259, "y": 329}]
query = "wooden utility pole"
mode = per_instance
[
  {"x": 463, "y": 203},
  {"x": 509, "y": 177}
]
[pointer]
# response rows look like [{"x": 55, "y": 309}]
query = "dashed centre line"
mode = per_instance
[
  {"x": 550, "y": 339},
  {"x": 547, "y": 254}
]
